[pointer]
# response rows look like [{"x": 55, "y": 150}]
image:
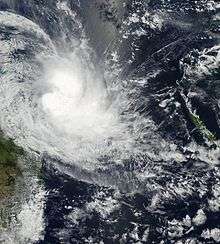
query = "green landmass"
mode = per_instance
[
  {"x": 202, "y": 128},
  {"x": 9, "y": 152},
  {"x": 9, "y": 170}
]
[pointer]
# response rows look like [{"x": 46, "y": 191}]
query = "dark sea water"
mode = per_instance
[{"x": 117, "y": 105}]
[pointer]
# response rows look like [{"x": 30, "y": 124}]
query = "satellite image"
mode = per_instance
[{"x": 109, "y": 121}]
